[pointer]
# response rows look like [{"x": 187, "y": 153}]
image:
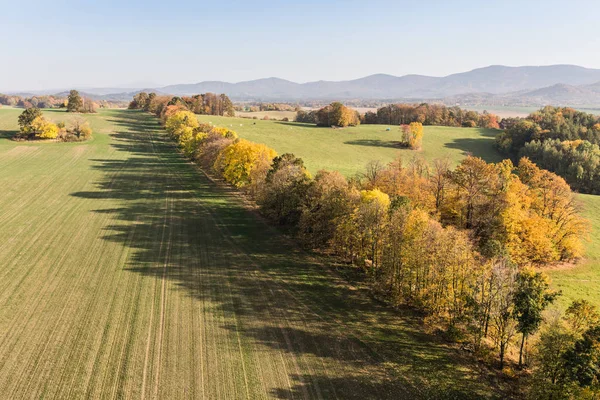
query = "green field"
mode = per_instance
[
  {"x": 348, "y": 150},
  {"x": 271, "y": 114},
  {"x": 582, "y": 281},
  {"x": 127, "y": 273}
]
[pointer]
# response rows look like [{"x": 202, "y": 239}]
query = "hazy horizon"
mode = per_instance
[{"x": 67, "y": 44}]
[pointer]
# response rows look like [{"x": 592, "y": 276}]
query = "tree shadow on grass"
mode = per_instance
[
  {"x": 297, "y": 124},
  {"x": 282, "y": 299},
  {"x": 483, "y": 148},
  {"x": 376, "y": 143},
  {"x": 7, "y": 134}
]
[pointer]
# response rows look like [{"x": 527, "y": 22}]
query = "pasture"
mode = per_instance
[
  {"x": 349, "y": 150},
  {"x": 270, "y": 114},
  {"x": 127, "y": 273}
]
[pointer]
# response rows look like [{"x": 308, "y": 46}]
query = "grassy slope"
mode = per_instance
[
  {"x": 349, "y": 150},
  {"x": 124, "y": 272}
]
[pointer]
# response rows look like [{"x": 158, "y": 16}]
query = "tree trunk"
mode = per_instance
[{"x": 521, "y": 351}]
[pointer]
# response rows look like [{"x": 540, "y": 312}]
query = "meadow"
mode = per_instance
[
  {"x": 125, "y": 272},
  {"x": 348, "y": 150},
  {"x": 270, "y": 114}
]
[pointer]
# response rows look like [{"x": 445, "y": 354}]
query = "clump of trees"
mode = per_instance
[
  {"x": 412, "y": 135},
  {"x": 308, "y": 117},
  {"x": 559, "y": 139},
  {"x": 204, "y": 104},
  {"x": 337, "y": 115},
  {"x": 78, "y": 104},
  {"x": 458, "y": 244},
  {"x": 33, "y": 126},
  {"x": 430, "y": 114}
]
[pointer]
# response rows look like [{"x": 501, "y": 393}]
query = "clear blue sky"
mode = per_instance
[{"x": 64, "y": 43}]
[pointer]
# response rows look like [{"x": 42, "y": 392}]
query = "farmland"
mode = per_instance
[{"x": 126, "y": 272}]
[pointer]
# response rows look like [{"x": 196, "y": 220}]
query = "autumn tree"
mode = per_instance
[
  {"x": 582, "y": 315},
  {"x": 412, "y": 135},
  {"x": 27, "y": 117},
  {"x": 75, "y": 102},
  {"x": 336, "y": 114},
  {"x": 238, "y": 161},
  {"x": 286, "y": 186},
  {"x": 328, "y": 200}
]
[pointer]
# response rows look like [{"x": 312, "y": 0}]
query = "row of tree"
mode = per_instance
[
  {"x": 256, "y": 107},
  {"x": 400, "y": 114},
  {"x": 335, "y": 115},
  {"x": 205, "y": 104},
  {"x": 74, "y": 102},
  {"x": 430, "y": 114},
  {"x": 33, "y": 126},
  {"x": 562, "y": 140},
  {"x": 457, "y": 244}
]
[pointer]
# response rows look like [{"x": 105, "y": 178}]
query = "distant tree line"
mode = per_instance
[
  {"x": 404, "y": 114},
  {"x": 53, "y": 101},
  {"x": 256, "y": 107},
  {"x": 204, "y": 104},
  {"x": 430, "y": 114},
  {"x": 559, "y": 139},
  {"x": 335, "y": 114}
]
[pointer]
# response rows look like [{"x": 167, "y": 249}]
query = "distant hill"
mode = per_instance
[
  {"x": 496, "y": 84},
  {"x": 489, "y": 81}
]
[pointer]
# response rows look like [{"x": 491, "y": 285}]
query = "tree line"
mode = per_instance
[
  {"x": 400, "y": 114},
  {"x": 256, "y": 107},
  {"x": 458, "y": 244},
  {"x": 78, "y": 103},
  {"x": 205, "y": 104},
  {"x": 430, "y": 114},
  {"x": 560, "y": 139},
  {"x": 463, "y": 245},
  {"x": 335, "y": 114}
]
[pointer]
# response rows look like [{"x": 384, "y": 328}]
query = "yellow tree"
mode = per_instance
[{"x": 239, "y": 160}]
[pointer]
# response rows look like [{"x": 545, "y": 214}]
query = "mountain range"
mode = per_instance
[{"x": 496, "y": 84}]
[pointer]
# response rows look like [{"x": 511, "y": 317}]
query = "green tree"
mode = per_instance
[
  {"x": 75, "y": 102},
  {"x": 532, "y": 296},
  {"x": 582, "y": 362},
  {"x": 27, "y": 117},
  {"x": 550, "y": 378}
]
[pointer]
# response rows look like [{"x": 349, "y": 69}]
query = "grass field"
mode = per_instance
[
  {"x": 348, "y": 150},
  {"x": 271, "y": 114},
  {"x": 127, "y": 273}
]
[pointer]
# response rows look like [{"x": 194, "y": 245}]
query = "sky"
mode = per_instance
[{"x": 118, "y": 43}]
